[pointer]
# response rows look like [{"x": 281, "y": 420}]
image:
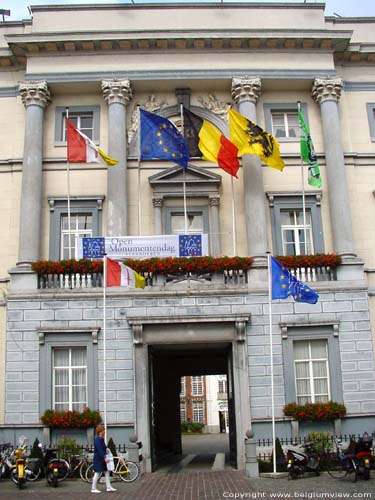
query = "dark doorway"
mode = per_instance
[{"x": 168, "y": 363}]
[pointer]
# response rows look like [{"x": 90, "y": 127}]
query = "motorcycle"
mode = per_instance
[
  {"x": 301, "y": 460},
  {"x": 363, "y": 456},
  {"x": 54, "y": 468},
  {"x": 18, "y": 471}
]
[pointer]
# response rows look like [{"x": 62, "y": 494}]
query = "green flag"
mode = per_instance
[{"x": 308, "y": 153}]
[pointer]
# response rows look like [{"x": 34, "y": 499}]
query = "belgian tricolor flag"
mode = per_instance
[{"x": 205, "y": 141}]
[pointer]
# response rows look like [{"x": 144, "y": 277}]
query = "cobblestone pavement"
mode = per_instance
[{"x": 202, "y": 485}]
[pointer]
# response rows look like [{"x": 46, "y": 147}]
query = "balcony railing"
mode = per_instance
[{"x": 230, "y": 278}]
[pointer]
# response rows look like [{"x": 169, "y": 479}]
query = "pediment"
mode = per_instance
[{"x": 198, "y": 181}]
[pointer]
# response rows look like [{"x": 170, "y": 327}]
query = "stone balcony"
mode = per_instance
[{"x": 227, "y": 278}]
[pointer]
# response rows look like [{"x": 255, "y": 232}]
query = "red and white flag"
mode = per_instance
[
  {"x": 120, "y": 275},
  {"x": 81, "y": 149}
]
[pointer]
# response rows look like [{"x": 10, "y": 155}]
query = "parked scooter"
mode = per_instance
[
  {"x": 363, "y": 456},
  {"x": 52, "y": 466},
  {"x": 304, "y": 459},
  {"x": 18, "y": 471}
]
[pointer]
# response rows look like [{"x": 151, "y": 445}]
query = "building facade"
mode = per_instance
[{"x": 102, "y": 62}]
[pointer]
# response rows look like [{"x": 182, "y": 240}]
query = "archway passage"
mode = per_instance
[{"x": 167, "y": 364}]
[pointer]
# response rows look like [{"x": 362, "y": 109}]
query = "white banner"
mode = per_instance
[{"x": 141, "y": 247}]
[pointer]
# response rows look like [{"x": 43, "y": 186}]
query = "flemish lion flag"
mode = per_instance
[
  {"x": 308, "y": 153},
  {"x": 252, "y": 139},
  {"x": 120, "y": 275},
  {"x": 204, "y": 140},
  {"x": 81, "y": 149}
]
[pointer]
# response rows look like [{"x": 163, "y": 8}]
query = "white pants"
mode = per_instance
[{"x": 97, "y": 476}]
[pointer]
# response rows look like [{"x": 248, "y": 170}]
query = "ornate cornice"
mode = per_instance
[
  {"x": 34, "y": 93},
  {"x": 119, "y": 91},
  {"x": 327, "y": 89},
  {"x": 246, "y": 89}
]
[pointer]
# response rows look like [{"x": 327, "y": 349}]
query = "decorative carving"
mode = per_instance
[
  {"x": 240, "y": 331},
  {"x": 213, "y": 104},
  {"x": 325, "y": 89},
  {"x": 35, "y": 92},
  {"x": 246, "y": 89},
  {"x": 137, "y": 333},
  {"x": 214, "y": 200},
  {"x": 117, "y": 91},
  {"x": 152, "y": 105},
  {"x": 157, "y": 201}
]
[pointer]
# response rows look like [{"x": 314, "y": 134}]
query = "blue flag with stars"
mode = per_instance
[
  {"x": 161, "y": 139},
  {"x": 285, "y": 285},
  {"x": 93, "y": 248},
  {"x": 190, "y": 245}
]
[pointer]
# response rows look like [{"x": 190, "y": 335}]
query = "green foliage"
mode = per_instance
[
  {"x": 111, "y": 445},
  {"x": 315, "y": 412},
  {"x": 321, "y": 440},
  {"x": 76, "y": 419},
  {"x": 67, "y": 446},
  {"x": 280, "y": 456},
  {"x": 36, "y": 451},
  {"x": 192, "y": 427}
]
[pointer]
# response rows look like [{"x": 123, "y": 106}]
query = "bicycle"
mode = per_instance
[
  {"x": 342, "y": 463},
  {"x": 123, "y": 469},
  {"x": 79, "y": 464}
]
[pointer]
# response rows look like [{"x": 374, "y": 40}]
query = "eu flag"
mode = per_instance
[
  {"x": 284, "y": 285},
  {"x": 190, "y": 245},
  {"x": 161, "y": 139}
]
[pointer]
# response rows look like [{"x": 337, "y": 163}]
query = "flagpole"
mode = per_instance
[
  {"x": 303, "y": 192},
  {"x": 139, "y": 171},
  {"x": 105, "y": 340},
  {"x": 68, "y": 180},
  {"x": 184, "y": 173},
  {"x": 271, "y": 362},
  {"x": 234, "y": 231}
]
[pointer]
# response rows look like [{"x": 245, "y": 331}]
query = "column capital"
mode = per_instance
[
  {"x": 327, "y": 89},
  {"x": 157, "y": 201},
  {"x": 214, "y": 200},
  {"x": 246, "y": 89},
  {"x": 117, "y": 91},
  {"x": 34, "y": 92}
]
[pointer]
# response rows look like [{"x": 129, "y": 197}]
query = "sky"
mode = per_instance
[{"x": 344, "y": 8}]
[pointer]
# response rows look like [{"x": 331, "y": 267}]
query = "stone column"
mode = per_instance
[
  {"x": 327, "y": 92},
  {"x": 35, "y": 97},
  {"x": 117, "y": 93},
  {"x": 214, "y": 201},
  {"x": 245, "y": 92},
  {"x": 158, "y": 205}
]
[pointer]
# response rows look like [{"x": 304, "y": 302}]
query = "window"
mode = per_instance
[
  {"x": 194, "y": 223},
  {"x": 296, "y": 237},
  {"x": 85, "y": 220},
  {"x": 288, "y": 231},
  {"x": 222, "y": 386},
  {"x": 371, "y": 119},
  {"x": 198, "y": 411},
  {"x": 80, "y": 227},
  {"x": 311, "y": 371},
  {"x": 183, "y": 385},
  {"x": 285, "y": 124},
  {"x": 86, "y": 119},
  {"x": 197, "y": 385},
  {"x": 311, "y": 360},
  {"x": 197, "y": 220},
  {"x": 69, "y": 378},
  {"x": 281, "y": 120},
  {"x": 182, "y": 411},
  {"x": 68, "y": 369}
]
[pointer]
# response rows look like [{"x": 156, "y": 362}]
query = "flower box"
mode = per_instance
[
  {"x": 71, "y": 419},
  {"x": 315, "y": 412}
]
